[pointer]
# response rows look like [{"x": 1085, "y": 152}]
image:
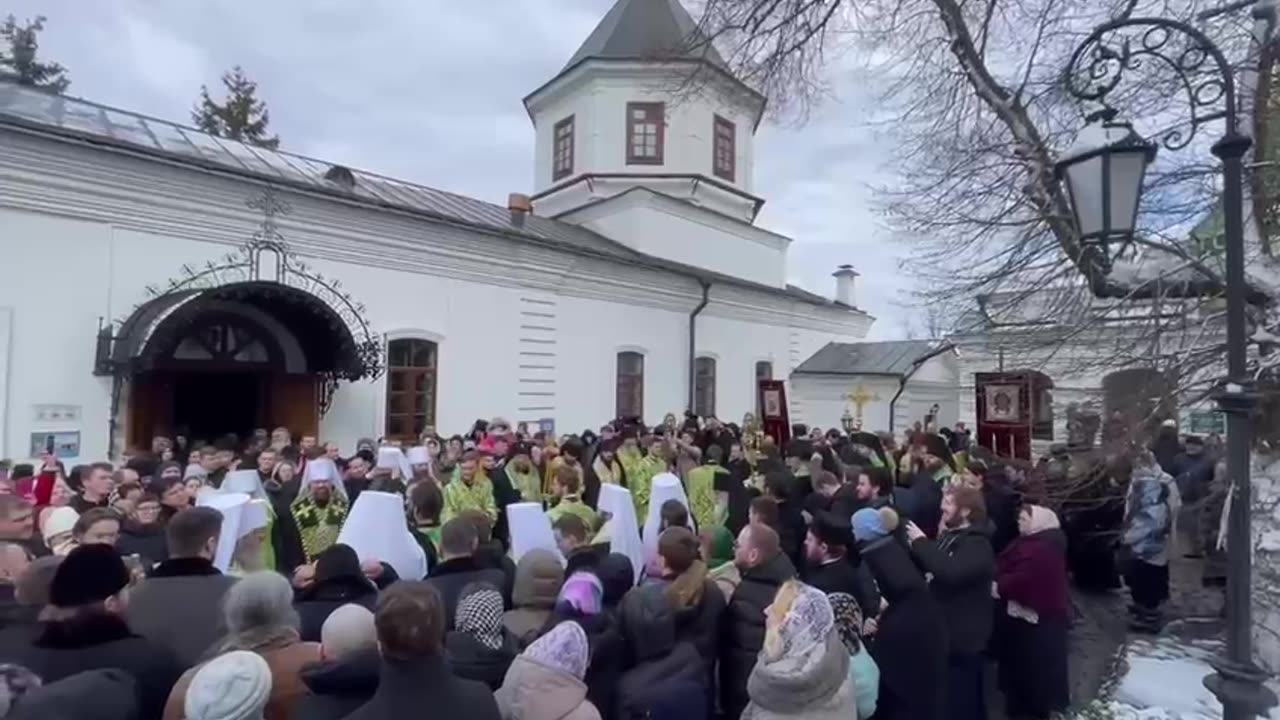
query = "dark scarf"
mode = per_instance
[
  {"x": 98, "y": 628},
  {"x": 185, "y": 567}
]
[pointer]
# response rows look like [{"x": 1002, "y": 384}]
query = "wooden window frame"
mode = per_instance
[
  {"x": 410, "y": 373},
  {"x": 701, "y": 408},
  {"x": 650, "y": 109},
  {"x": 731, "y": 172},
  {"x": 558, "y": 171},
  {"x": 629, "y": 386}
]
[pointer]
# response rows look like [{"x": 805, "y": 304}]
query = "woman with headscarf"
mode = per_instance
[
  {"x": 321, "y": 508},
  {"x": 1031, "y": 637},
  {"x": 1147, "y": 528},
  {"x": 539, "y": 577},
  {"x": 863, "y": 671},
  {"x": 338, "y": 580},
  {"x": 545, "y": 682},
  {"x": 479, "y": 646},
  {"x": 582, "y": 601},
  {"x": 803, "y": 668},
  {"x": 260, "y": 618}
]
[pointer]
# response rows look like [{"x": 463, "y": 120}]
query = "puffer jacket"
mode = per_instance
[
  {"x": 539, "y": 576},
  {"x": 533, "y": 691},
  {"x": 1148, "y": 520},
  {"x": 666, "y": 673},
  {"x": 743, "y": 628}
]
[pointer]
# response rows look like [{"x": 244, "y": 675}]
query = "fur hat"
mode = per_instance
[
  {"x": 89, "y": 574},
  {"x": 234, "y": 686},
  {"x": 871, "y": 524}
]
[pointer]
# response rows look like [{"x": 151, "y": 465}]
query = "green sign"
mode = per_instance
[{"x": 1204, "y": 423}]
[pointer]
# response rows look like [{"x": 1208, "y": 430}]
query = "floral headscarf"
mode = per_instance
[
  {"x": 480, "y": 616},
  {"x": 582, "y": 592},
  {"x": 565, "y": 648},
  {"x": 848, "y": 617},
  {"x": 806, "y": 625}
]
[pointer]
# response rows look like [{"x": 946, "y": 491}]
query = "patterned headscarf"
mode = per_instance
[
  {"x": 1040, "y": 518},
  {"x": 848, "y": 616},
  {"x": 565, "y": 648},
  {"x": 808, "y": 622},
  {"x": 480, "y": 616},
  {"x": 582, "y": 592}
]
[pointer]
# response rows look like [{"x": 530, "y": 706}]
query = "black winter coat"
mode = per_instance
[
  {"x": 471, "y": 660},
  {"x": 1003, "y": 505},
  {"x": 699, "y": 624},
  {"x": 451, "y": 576},
  {"x": 920, "y": 501},
  {"x": 317, "y": 603},
  {"x": 426, "y": 688},
  {"x": 910, "y": 644},
  {"x": 109, "y": 694},
  {"x": 665, "y": 672},
  {"x": 843, "y": 576},
  {"x": 180, "y": 607},
  {"x": 145, "y": 541},
  {"x": 963, "y": 567},
  {"x": 743, "y": 629},
  {"x": 493, "y": 555},
  {"x": 99, "y": 641},
  {"x": 338, "y": 687}
]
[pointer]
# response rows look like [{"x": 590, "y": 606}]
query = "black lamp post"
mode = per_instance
[{"x": 1104, "y": 179}]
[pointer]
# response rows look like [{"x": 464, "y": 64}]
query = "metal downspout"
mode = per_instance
[{"x": 693, "y": 337}]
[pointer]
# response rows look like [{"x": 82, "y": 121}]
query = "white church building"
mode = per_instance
[{"x": 159, "y": 280}]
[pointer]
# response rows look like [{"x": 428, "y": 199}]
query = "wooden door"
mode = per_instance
[
  {"x": 150, "y": 409},
  {"x": 294, "y": 402}
]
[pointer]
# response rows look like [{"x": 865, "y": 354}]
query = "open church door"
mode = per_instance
[{"x": 294, "y": 403}]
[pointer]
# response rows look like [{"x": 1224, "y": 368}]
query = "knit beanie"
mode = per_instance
[
  {"x": 89, "y": 574},
  {"x": 871, "y": 524},
  {"x": 233, "y": 686},
  {"x": 61, "y": 520}
]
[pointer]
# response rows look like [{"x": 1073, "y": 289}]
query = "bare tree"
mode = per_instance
[{"x": 973, "y": 99}]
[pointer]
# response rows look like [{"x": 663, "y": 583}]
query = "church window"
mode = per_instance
[
  {"x": 724, "y": 148},
  {"x": 646, "y": 125},
  {"x": 411, "y": 387},
  {"x": 764, "y": 371},
  {"x": 704, "y": 386},
  {"x": 630, "y": 384},
  {"x": 562, "y": 149}
]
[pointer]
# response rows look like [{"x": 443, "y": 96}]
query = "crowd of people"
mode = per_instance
[{"x": 691, "y": 569}]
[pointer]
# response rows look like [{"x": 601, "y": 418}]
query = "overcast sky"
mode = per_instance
[{"x": 431, "y": 92}]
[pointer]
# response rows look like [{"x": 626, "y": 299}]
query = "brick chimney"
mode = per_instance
[
  {"x": 844, "y": 276},
  {"x": 519, "y": 203}
]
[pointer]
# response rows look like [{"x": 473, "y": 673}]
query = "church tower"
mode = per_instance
[{"x": 646, "y": 103}]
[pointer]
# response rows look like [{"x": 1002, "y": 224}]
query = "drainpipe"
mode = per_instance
[
  {"x": 915, "y": 365},
  {"x": 693, "y": 337}
]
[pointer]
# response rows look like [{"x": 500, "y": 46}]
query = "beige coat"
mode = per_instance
[
  {"x": 533, "y": 691},
  {"x": 287, "y": 688}
]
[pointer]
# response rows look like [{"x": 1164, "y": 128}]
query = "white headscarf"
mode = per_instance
[
  {"x": 665, "y": 487},
  {"x": 376, "y": 530},
  {"x": 232, "y": 506},
  {"x": 624, "y": 532},
  {"x": 322, "y": 470},
  {"x": 392, "y": 458},
  {"x": 530, "y": 530}
]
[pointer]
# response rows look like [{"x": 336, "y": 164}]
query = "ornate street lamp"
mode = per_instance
[
  {"x": 847, "y": 421},
  {"x": 1103, "y": 174},
  {"x": 1104, "y": 182}
]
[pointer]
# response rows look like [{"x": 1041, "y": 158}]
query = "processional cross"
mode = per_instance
[{"x": 860, "y": 397}]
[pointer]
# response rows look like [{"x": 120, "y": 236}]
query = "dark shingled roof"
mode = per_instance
[
  {"x": 647, "y": 29},
  {"x": 873, "y": 358}
]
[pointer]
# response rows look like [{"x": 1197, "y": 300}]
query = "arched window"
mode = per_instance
[
  {"x": 630, "y": 385},
  {"x": 411, "y": 387},
  {"x": 704, "y": 386}
]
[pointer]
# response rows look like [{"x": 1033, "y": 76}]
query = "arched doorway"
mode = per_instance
[{"x": 257, "y": 340}]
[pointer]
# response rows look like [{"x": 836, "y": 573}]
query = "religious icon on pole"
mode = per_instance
[{"x": 1002, "y": 403}]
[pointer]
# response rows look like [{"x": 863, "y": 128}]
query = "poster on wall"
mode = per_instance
[
  {"x": 62, "y": 444},
  {"x": 1002, "y": 403}
]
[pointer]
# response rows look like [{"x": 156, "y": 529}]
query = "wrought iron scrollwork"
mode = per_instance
[
  {"x": 1198, "y": 66},
  {"x": 266, "y": 257}
]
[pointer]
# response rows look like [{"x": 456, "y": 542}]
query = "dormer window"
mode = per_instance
[
  {"x": 724, "y": 148},
  {"x": 645, "y": 132},
  {"x": 562, "y": 149}
]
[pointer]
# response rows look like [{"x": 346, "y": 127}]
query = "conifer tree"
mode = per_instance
[
  {"x": 239, "y": 116},
  {"x": 19, "y": 62}
]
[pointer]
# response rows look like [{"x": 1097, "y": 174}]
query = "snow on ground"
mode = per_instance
[{"x": 1163, "y": 679}]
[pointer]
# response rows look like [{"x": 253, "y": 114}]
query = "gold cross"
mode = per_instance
[{"x": 860, "y": 397}]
